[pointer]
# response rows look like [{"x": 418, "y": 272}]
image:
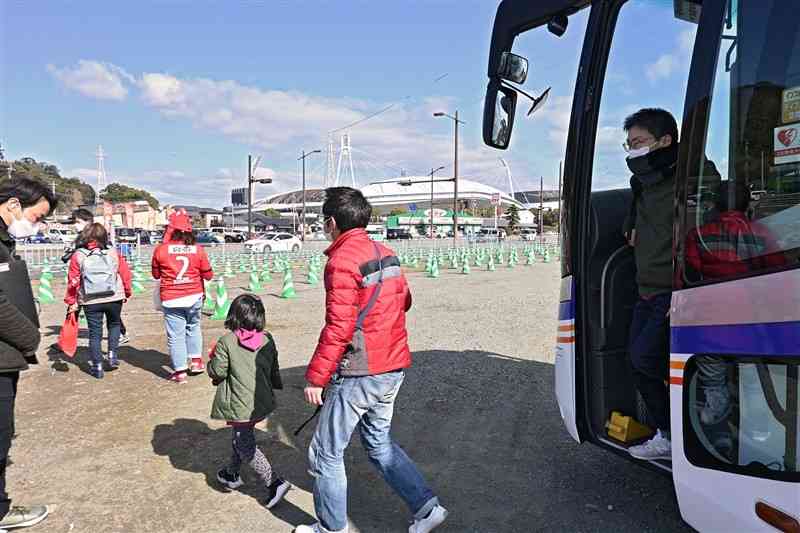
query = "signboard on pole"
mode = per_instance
[
  {"x": 495, "y": 198},
  {"x": 787, "y": 144},
  {"x": 239, "y": 196}
]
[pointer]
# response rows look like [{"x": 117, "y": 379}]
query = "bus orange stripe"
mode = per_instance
[
  {"x": 673, "y": 380},
  {"x": 680, "y": 365},
  {"x": 566, "y": 340},
  {"x": 569, "y": 327}
]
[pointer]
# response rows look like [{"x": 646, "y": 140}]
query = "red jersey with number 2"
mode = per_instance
[{"x": 181, "y": 268}]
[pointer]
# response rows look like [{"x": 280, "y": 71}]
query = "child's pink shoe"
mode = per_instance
[{"x": 178, "y": 377}]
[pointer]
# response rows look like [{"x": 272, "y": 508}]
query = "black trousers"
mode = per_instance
[
  {"x": 649, "y": 352},
  {"x": 8, "y": 393}
]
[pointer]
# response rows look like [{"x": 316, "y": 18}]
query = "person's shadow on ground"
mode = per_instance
[
  {"x": 193, "y": 446},
  {"x": 486, "y": 434}
]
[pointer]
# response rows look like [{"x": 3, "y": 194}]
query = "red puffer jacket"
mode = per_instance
[{"x": 350, "y": 278}]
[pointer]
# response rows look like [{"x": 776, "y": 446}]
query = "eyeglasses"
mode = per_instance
[{"x": 633, "y": 144}]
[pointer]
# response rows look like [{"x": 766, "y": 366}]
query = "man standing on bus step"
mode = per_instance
[
  {"x": 652, "y": 148},
  {"x": 360, "y": 360}
]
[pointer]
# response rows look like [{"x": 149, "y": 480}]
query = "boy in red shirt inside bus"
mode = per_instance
[{"x": 183, "y": 268}]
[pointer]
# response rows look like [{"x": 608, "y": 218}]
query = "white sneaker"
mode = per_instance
[
  {"x": 430, "y": 522},
  {"x": 659, "y": 447},
  {"x": 316, "y": 528}
]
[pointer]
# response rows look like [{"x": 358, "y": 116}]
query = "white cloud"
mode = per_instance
[
  {"x": 662, "y": 68},
  {"x": 279, "y": 123},
  {"x": 95, "y": 79}
]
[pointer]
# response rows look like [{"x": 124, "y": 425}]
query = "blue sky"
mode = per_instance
[{"x": 178, "y": 93}]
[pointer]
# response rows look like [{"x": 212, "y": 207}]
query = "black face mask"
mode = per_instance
[{"x": 654, "y": 166}]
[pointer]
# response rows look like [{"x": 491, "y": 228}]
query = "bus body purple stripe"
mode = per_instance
[{"x": 777, "y": 338}]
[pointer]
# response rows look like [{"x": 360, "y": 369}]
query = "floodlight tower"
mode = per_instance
[
  {"x": 508, "y": 174},
  {"x": 101, "y": 174},
  {"x": 330, "y": 167},
  {"x": 345, "y": 153}
]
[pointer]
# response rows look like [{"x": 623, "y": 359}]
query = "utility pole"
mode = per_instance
[
  {"x": 541, "y": 206},
  {"x": 250, "y": 181},
  {"x": 455, "y": 171},
  {"x": 303, "y": 219},
  {"x": 249, "y": 196},
  {"x": 433, "y": 171}
]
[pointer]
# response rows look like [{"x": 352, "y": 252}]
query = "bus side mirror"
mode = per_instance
[
  {"x": 513, "y": 68},
  {"x": 498, "y": 114}
]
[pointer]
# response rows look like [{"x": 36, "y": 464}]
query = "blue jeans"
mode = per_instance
[
  {"x": 366, "y": 403},
  {"x": 184, "y": 337},
  {"x": 94, "y": 318}
]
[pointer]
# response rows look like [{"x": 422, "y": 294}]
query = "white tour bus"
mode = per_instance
[{"x": 729, "y": 71}]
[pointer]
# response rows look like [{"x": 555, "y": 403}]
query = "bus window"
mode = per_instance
[
  {"x": 741, "y": 415},
  {"x": 743, "y": 203}
]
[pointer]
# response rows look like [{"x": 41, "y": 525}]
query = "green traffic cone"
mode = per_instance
[
  {"x": 255, "y": 283},
  {"x": 222, "y": 303},
  {"x": 313, "y": 277},
  {"x": 465, "y": 268},
  {"x": 82, "y": 322},
  {"x": 208, "y": 299},
  {"x": 45, "y": 291},
  {"x": 490, "y": 264},
  {"x": 288, "y": 285}
]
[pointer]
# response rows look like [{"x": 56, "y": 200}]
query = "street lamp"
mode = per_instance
[
  {"x": 250, "y": 181},
  {"x": 303, "y": 159},
  {"x": 456, "y": 122},
  {"x": 433, "y": 171}
]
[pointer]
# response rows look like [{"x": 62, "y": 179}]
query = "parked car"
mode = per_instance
[
  {"x": 39, "y": 238},
  {"x": 144, "y": 236},
  {"x": 230, "y": 235},
  {"x": 207, "y": 237},
  {"x": 156, "y": 236},
  {"x": 490, "y": 235},
  {"x": 61, "y": 235},
  {"x": 274, "y": 242},
  {"x": 398, "y": 233},
  {"x": 125, "y": 235},
  {"x": 528, "y": 234}
]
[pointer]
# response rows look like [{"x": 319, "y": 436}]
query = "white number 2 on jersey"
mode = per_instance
[{"x": 185, "y": 266}]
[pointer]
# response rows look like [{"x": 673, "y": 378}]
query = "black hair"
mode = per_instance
[
  {"x": 187, "y": 237},
  {"x": 82, "y": 214},
  {"x": 347, "y": 207},
  {"x": 28, "y": 192},
  {"x": 246, "y": 312},
  {"x": 657, "y": 121}
]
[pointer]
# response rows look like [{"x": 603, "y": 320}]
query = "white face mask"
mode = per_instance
[
  {"x": 21, "y": 228},
  {"x": 639, "y": 152}
]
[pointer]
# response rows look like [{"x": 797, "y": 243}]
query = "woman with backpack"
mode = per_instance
[
  {"x": 182, "y": 268},
  {"x": 99, "y": 280}
]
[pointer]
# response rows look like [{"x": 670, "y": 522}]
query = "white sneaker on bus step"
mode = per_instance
[
  {"x": 659, "y": 447},
  {"x": 430, "y": 522},
  {"x": 717, "y": 406},
  {"x": 316, "y": 528}
]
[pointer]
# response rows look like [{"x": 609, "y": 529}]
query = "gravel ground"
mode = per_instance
[{"x": 477, "y": 412}]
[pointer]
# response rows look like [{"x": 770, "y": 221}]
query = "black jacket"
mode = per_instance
[{"x": 19, "y": 335}]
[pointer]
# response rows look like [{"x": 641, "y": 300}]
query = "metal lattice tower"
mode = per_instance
[
  {"x": 345, "y": 153},
  {"x": 331, "y": 162},
  {"x": 508, "y": 174},
  {"x": 101, "y": 174}
]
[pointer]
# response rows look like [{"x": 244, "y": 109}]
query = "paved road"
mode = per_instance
[{"x": 477, "y": 412}]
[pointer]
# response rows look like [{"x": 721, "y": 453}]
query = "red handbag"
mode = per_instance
[{"x": 68, "y": 337}]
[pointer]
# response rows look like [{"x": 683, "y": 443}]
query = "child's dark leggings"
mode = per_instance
[{"x": 246, "y": 451}]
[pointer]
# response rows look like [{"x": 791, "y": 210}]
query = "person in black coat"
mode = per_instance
[{"x": 23, "y": 203}]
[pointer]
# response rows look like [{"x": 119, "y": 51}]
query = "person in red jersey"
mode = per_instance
[{"x": 182, "y": 267}]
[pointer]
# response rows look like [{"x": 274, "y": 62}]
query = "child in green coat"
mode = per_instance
[{"x": 244, "y": 367}]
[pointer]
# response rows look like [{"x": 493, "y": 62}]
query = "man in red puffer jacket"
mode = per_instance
[{"x": 360, "y": 358}]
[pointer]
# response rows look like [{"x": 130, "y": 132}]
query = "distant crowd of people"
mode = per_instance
[{"x": 353, "y": 377}]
